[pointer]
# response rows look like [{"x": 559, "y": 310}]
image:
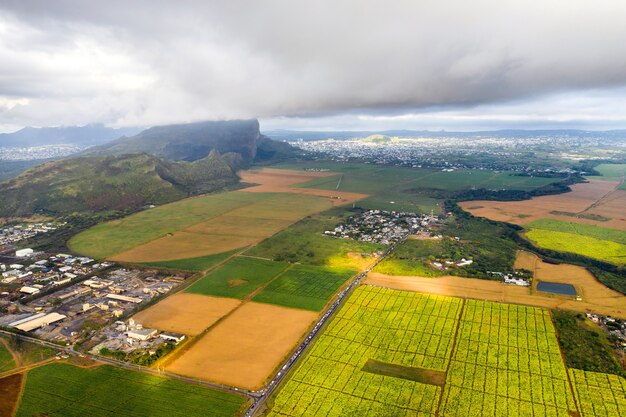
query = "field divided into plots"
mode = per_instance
[
  {"x": 506, "y": 362},
  {"x": 599, "y": 394},
  {"x": 330, "y": 380},
  {"x": 389, "y": 352}
]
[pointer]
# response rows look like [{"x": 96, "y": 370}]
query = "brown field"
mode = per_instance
[
  {"x": 595, "y": 197},
  {"x": 595, "y": 296},
  {"x": 587, "y": 286},
  {"x": 246, "y": 347},
  {"x": 10, "y": 391},
  {"x": 189, "y": 314},
  {"x": 246, "y": 225},
  {"x": 281, "y": 181}
]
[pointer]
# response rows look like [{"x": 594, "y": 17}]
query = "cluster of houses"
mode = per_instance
[
  {"x": 16, "y": 233},
  {"x": 513, "y": 279},
  {"x": 30, "y": 277},
  {"x": 380, "y": 226},
  {"x": 445, "y": 264},
  {"x": 614, "y": 327}
]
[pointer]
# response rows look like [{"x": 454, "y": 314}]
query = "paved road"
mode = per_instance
[
  {"x": 265, "y": 393},
  {"x": 258, "y": 397}
]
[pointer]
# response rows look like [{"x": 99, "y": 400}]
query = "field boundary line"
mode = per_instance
[
  {"x": 176, "y": 354},
  {"x": 452, "y": 350},
  {"x": 569, "y": 378}
]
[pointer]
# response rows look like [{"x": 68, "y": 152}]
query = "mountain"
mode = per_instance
[
  {"x": 189, "y": 142},
  {"x": 101, "y": 183},
  {"x": 83, "y": 136}
]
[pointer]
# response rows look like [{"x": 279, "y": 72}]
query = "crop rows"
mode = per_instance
[
  {"x": 506, "y": 362},
  {"x": 306, "y": 287},
  {"x": 599, "y": 394},
  {"x": 408, "y": 329}
]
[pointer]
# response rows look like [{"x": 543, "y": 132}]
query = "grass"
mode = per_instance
[
  {"x": 305, "y": 287},
  {"x": 400, "y": 184},
  {"x": 237, "y": 278},
  {"x": 603, "y": 233},
  {"x": 584, "y": 344},
  {"x": 6, "y": 359},
  {"x": 424, "y": 376},
  {"x": 604, "y": 250},
  {"x": 200, "y": 263},
  {"x": 411, "y": 257},
  {"x": 65, "y": 390},
  {"x": 110, "y": 238},
  {"x": 306, "y": 243}
]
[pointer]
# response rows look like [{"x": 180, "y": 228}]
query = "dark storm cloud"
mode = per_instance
[{"x": 146, "y": 62}]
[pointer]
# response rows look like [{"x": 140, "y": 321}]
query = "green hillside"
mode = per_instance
[{"x": 100, "y": 183}]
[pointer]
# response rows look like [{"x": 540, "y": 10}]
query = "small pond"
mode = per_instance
[{"x": 556, "y": 288}]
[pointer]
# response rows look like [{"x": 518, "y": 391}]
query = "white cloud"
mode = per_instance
[{"x": 149, "y": 62}]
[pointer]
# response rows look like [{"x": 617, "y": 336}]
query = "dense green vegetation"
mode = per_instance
[
  {"x": 585, "y": 345},
  {"x": 304, "y": 286},
  {"x": 604, "y": 250},
  {"x": 116, "y": 236},
  {"x": 238, "y": 277},
  {"x": 306, "y": 243},
  {"x": 604, "y": 233},
  {"x": 200, "y": 263},
  {"x": 93, "y": 184},
  {"x": 487, "y": 243},
  {"x": 65, "y": 390}
]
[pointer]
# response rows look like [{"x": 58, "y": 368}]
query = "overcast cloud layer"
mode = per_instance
[{"x": 331, "y": 64}]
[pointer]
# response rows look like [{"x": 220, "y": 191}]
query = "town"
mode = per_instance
[
  {"x": 19, "y": 232},
  {"x": 384, "y": 227}
]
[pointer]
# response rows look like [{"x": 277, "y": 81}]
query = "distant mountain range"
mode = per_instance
[
  {"x": 83, "y": 136},
  {"x": 292, "y": 135},
  {"x": 189, "y": 142}
]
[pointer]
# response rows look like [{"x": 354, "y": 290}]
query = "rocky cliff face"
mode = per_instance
[{"x": 189, "y": 142}]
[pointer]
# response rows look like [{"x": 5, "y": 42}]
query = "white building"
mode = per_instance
[{"x": 23, "y": 253}]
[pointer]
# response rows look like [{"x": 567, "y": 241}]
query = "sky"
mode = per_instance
[{"x": 315, "y": 65}]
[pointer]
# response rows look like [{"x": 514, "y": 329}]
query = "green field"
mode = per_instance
[
  {"x": 6, "y": 359},
  {"x": 306, "y": 243},
  {"x": 402, "y": 188},
  {"x": 506, "y": 362},
  {"x": 411, "y": 259},
  {"x": 304, "y": 286},
  {"x": 237, "y": 278},
  {"x": 65, "y": 390},
  {"x": 603, "y": 233},
  {"x": 497, "y": 359},
  {"x": 599, "y": 394},
  {"x": 200, "y": 263},
  {"x": 330, "y": 381},
  {"x": 604, "y": 250},
  {"x": 110, "y": 238}
]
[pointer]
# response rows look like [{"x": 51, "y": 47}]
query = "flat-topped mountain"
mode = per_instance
[{"x": 189, "y": 142}]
